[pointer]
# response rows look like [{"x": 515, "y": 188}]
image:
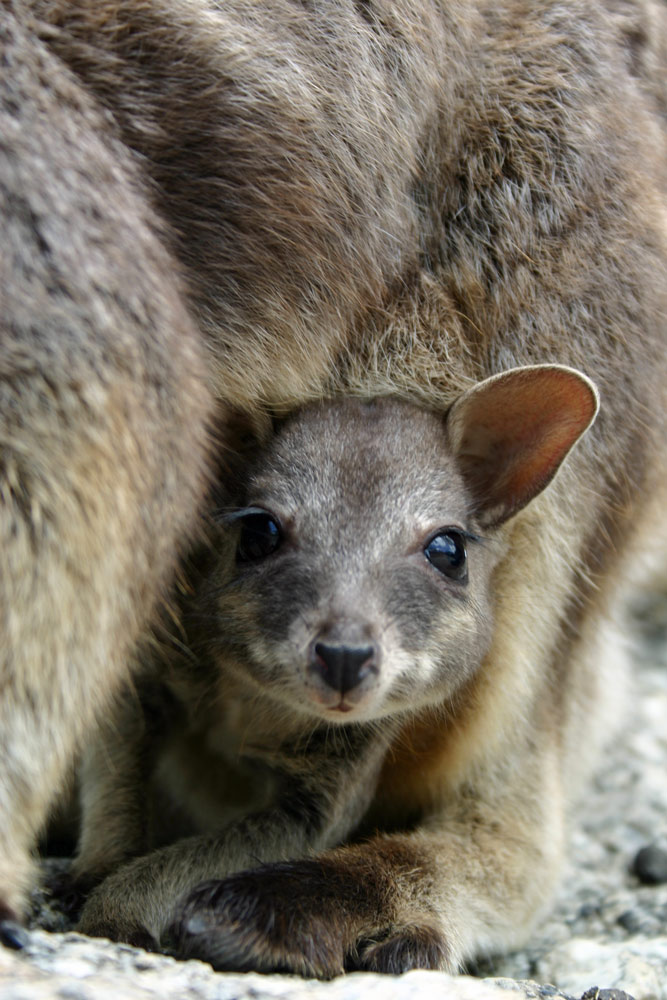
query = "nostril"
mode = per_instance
[
  {"x": 352, "y": 656},
  {"x": 343, "y": 667}
]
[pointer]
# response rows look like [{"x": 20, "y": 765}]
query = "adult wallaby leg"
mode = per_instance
[{"x": 103, "y": 414}]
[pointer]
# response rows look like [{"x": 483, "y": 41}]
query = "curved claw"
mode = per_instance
[
  {"x": 405, "y": 948},
  {"x": 12, "y": 933}
]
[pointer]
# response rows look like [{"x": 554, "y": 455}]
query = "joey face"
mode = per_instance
[{"x": 353, "y": 580}]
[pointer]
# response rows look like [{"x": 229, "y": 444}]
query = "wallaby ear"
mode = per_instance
[{"x": 511, "y": 432}]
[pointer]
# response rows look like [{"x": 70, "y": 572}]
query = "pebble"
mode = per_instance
[{"x": 650, "y": 865}]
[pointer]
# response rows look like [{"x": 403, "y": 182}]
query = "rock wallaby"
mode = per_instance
[
  {"x": 245, "y": 206},
  {"x": 328, "y": 686}
]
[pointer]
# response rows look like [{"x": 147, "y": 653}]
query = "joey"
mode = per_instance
[{"x": 349, "y": 599}]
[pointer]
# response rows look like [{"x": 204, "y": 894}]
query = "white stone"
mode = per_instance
[{"x": 639, "y": 967}]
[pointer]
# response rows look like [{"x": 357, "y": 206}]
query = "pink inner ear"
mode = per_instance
[
  {"x": 514, "y": 431},
  {"x": 535, "y": 464}
]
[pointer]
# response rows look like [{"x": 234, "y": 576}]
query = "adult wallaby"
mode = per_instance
[{"x": 262, "y": 203}]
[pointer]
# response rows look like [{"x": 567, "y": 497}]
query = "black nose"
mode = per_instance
[{"x": 343, "y": 667}]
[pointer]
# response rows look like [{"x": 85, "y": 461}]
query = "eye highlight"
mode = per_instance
[
  {"x": 446, "y": 552},
  {"x": 261, "y": 535}
]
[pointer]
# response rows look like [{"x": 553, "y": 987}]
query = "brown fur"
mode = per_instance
[
  {"x": 281, "y": 200},
  {"x": 99, "y": 358}
]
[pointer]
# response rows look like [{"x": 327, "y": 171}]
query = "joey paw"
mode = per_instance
[
  {"x": 402, "y": 949},
  {"x": 258, "y": 921},
  {"x": 301, "y": 917}
]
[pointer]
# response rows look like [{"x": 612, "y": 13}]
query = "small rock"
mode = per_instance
[
  {"x": 630, "y": 921},
  {"x": 650, "y": 865},
  {"x": 596, "y": 994}
]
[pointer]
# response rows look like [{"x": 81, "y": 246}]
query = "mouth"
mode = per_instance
[
  {"x": 342, "y": 706},
  {"x": 333, "y": 703},
  {"x": 336, "y": 705}
]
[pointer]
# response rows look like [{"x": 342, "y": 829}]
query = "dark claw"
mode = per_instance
[
  {"x": 12, "y": 934},
  {"x": 405, "y": 949}
]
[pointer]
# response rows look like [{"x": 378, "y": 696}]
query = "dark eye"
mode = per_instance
[
  {"x": 260, "y": 537},
  {"x": 446, "y": 552}
]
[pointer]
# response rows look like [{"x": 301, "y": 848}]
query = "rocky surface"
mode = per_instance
[{"x": 606, "y": 937}]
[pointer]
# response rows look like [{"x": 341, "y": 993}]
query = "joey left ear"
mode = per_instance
[{"x": 511, "y": 432}]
